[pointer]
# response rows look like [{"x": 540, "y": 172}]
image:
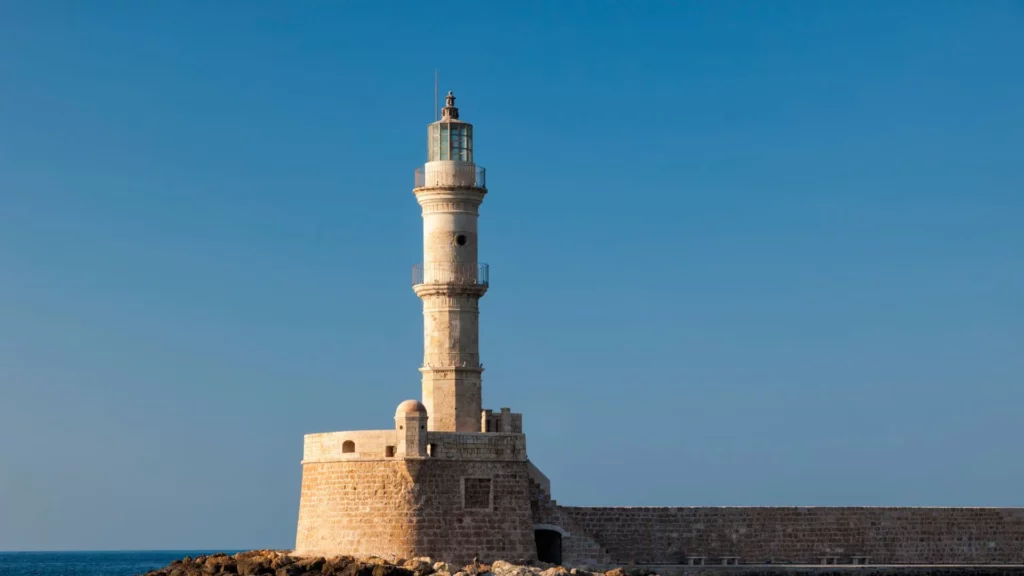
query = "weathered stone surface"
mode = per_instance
[
  {"x": 381, "y": 508},
  {"x": 803, "y": 535}
]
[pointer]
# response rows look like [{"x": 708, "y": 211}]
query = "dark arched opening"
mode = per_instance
[{"x": 549, "y": 546}]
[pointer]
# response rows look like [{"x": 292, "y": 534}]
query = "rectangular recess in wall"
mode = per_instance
[{"x": 476, "y": 493}]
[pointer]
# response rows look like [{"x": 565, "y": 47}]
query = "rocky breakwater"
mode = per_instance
[{"x": 282, "y": 563}]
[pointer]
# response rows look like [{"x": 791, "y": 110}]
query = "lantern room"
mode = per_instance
[{"x": 450, "y": 138}]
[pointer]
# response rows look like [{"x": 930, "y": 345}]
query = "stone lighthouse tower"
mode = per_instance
[
  {"x": 449, "y": 480},
  {"x": 450, "y": 280}
]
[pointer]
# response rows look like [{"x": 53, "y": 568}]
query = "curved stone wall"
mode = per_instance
[
  {"x": 357, "y": 507},
  {"x": 454, "y": 510}
]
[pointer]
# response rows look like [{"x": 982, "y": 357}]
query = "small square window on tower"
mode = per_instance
[{"x": 476, "y": 493}]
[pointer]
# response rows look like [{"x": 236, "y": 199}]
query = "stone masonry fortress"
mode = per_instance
[{"x": 452, "y": 480}]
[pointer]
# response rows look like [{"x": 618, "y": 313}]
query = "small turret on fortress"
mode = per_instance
[{"x": 411, "y": 429}]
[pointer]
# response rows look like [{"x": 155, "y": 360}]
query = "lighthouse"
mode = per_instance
[
  {"x": 450, "y": 280},
  {"x": 449, "y": 479},
  {"x": 453, "y": 482}
]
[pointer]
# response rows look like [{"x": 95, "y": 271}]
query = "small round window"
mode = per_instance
[{"x": 460, "y": 239}]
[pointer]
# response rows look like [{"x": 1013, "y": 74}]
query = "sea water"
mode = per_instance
[{"x": 90, "y": 563}]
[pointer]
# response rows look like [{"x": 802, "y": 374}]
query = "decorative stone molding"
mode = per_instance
[
  {"x": 446, "y": 372},
  {"x": 447, "y": 303},
  {"x": 433, "y": 195},
  {"x": 465, "y": 207}
]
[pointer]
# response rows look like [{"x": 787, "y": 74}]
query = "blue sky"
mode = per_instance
[{"x": 742, "y": 253}]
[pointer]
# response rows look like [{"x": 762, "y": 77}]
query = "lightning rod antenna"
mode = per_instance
[{"x": 435, "y": 94}]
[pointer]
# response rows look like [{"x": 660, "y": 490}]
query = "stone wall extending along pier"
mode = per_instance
[{"x": 802, "y": 535}]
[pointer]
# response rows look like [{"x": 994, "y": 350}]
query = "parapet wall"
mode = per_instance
[
  {"x": 364, "y": 445},
  {"x": 374, "y": 445},
  {"x": 805, "y": 535},
  {"x": 477, "y": 446}
]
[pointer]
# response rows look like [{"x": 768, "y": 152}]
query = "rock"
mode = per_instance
[
  {"x": 391, "y": 570},
  {"x": 419, "y": 567},
  {"x": 349, "y": 566},
  {"x": 282, "y": 563},
  {"x": 219, "y": 564},
  {"x": 254, "y": 566},
  {"x": 476, "y": 568},
  {"x": 313, "y": 564},
  {"x": 344, "y": 566},
  {"x": 502, "y": 568}
]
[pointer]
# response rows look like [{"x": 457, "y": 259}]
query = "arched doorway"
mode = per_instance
[{"x": 549, "y": 545}]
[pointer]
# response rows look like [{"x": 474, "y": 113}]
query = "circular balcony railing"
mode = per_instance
[
  {"x": 451, "y": 175},
  {"x": 451, "y": 273}
]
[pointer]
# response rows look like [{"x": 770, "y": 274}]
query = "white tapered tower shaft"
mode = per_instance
[{"x": 450, "y": 281}]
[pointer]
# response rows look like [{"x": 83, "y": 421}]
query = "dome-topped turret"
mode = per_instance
[{"x": 411, "y": 407}]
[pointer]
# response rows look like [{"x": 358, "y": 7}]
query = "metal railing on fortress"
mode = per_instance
[
  {"x": 451, "y": 273},
  {"x": 451, "y": 360},
  {"x": 468, "y": 176}
]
